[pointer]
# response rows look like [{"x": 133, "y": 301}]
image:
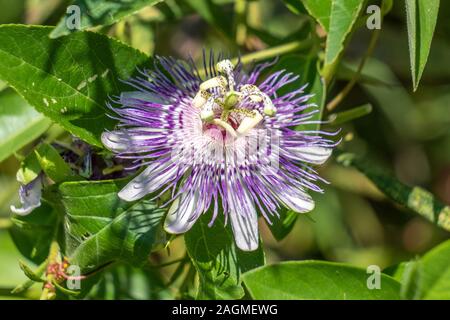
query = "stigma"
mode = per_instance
[{"x": 219, "y": 102}]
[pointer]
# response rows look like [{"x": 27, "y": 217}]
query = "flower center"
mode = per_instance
[{"x": 223, "y": 106}]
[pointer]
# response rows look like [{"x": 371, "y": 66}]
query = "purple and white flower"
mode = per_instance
[
  {"x": 29, "y": 196},
  {"x": 221, "y": 141}
]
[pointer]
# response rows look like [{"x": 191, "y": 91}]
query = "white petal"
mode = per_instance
[
  {"x": 316, "y": 155},
  {"x": 111, "y": 141},
  {"x": 127, "y": 141},
  {"x": 180, "y": 218},
  {"x": 245, "y": 230},
  {"x": 24, "y": 211},
  {"x": 300, "y": 202},
  {"x": 244, "y": 222},
  {"x": 30, "y": 197},
  {"x": 150, "y": 180}
]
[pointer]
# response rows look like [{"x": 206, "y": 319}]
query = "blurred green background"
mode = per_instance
[{"x": 407, "y": 132}]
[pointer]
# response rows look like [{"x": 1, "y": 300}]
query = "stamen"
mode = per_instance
[
  {"x": 248, "y": 123},
  {"x": 227, "y": 99},
  {"x": 200, "y": 98},
  {"x": 217, "y": 82},
  {"x": 257, "y": 95}
]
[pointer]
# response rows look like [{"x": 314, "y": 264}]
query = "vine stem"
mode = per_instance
[
  {"x": 372, "y": 44},
  {"x": 269, "y": 53},
  {"x": 274, "y": 51}
]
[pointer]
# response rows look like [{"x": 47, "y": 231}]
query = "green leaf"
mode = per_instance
[
  {"x": 218, "y": 262},
  {"x": 32, "y": 234},
  {"x": 319, "y": 10},
  {"x": 68, "y": 79},
  {"x": 30, "y": 273},
  {"x": 295, "y": 280},
  {"x": 29, "y": 283},
  {"x": 281, "y": 226},
  {"x": 65, "y": 290},
  {"x": 405, "y": 273},
  {"x": 53, "y": 164},
  {"x": 99, "y": 12},
  {"x": 396, "y": 271},
  {"x": 421, "y": 20},
  {"x": 102, "y": 229},
  {"x": 416, "y": 199},
  {"x": 20, "y": 124},
  {"x": 429, "y": 278},
  {"x": 344, "y": 14}
]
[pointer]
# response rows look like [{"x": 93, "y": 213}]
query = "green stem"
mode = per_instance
[
  {"x": 372, "y": 44},
  {"x": 274, "y": 51},
  {"x": 113, "y": 169},
  {"x": 270, "y": 53},
  {"x": 341, "y": 96}
]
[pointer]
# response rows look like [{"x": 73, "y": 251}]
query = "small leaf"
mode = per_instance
[
  {"x": 295, "y": 280},
  {"x": 421, "y": 21},
  {"x": 29, "y": 283},
  {"x": 344, "y": 14},
  {"x": 319, "y": 10},
  {"x": 68, "y": 79},
  {"x": 99, "y": 12},
  {"x": 405, "y": 273},
  {"x": 218, "y": 262},
  {"x": 29, "y": 169},
  {"x": 30, "y": 273},
  {"x": 281, "y": 226},
  {"x": 65, "y": 290},
  {"x": 20, "y": 124},
  {"x": 416, "y": 199},
  {"x": 430, "y": 277},
  {"x": 53, "y": 164}
]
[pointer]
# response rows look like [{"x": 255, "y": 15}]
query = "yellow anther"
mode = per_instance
[
  {"x": 217, "y": 82},
  {"x": 200, "y": 98},
  {"x": 248, "y": 123}
]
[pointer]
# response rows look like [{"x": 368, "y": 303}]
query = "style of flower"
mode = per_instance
[{"x": 223, "y": 141}]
